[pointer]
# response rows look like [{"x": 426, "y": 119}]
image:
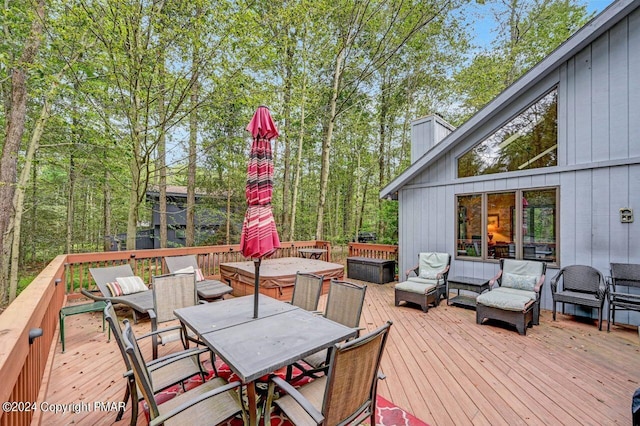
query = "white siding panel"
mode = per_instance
[
  {"x": 583, "y": 217},
  {"x": 600, "y": 228},
  {"x": 600, "y": 99},
  {"x": 563, "y": 116},
  {"x": 570, "y": 142},
  {"x": 634, "y": 84},
  {"x": 619, "y": 93},
  {"x": 583, "y": 106},
  {"x": 568, "y": 224}
]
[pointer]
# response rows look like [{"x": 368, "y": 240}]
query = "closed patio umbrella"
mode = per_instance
[{"x": 259, "y": 236}]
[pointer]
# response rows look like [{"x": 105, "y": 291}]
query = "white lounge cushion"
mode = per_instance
[
  {"x": 507, "y": 300},
  {"x": 520, "y": 282},
  {"x": 432, "y": 264},
  {"x": 426, "y": 281},
  {"x": 415, "y": 287}
]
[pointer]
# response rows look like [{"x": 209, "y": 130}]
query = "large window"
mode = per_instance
[
  {"x": 528, "y": 141},
  {"x": 518, "y": 224}
]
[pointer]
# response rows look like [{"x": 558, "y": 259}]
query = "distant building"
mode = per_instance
[{"x": 207, "y": 221}]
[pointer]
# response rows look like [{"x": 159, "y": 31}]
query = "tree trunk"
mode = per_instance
[
  {"x": 162, "y": 156},
  {"x": 296, "y": 183},
  {"x": 326, "y": 143},
  {"x": 286, "y": 190},
  {"x": 18, "y": 201},
  {"x": 15, "y": 129},
  {"x": 191, "y": 177},
  {"x": 107, "y": 212}
]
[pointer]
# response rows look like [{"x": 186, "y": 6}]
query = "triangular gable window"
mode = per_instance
[{"x": 528, "y": 141}]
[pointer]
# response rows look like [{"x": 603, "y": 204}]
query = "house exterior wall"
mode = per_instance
[{"x": 598, "y": 168}]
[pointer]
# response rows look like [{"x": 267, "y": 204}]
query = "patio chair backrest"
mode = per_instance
[
  {"x": 139, "y": 367},
  {"x": 581, "y": 278},
  {"x": 171, "y": 292},
  {"x": 625, "y": 274},
  {"x": 306, "y": 291},
  {"x": 431, "y": 264},
  {"x": 112, "y": 318},
  {"x": 175, "y": 263},
  {"x": 344, "y": 302},
  {"x": 352, "y": 377},
  {"x": 108, "y": 274},
  {"x": 524, "y": 268}
]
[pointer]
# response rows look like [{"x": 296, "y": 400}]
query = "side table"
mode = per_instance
[
  {"x": 81, "y": 309},
  {"x": 476, "y": 285}
]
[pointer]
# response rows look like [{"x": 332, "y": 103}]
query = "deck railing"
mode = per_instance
[
  {"x": 377, "y": 251},
  {"x": 24, "y": 358}
]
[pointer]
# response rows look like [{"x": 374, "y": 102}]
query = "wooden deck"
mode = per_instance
[{"x": 441, "y": 366}]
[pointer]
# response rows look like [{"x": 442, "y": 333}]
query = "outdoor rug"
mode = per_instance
[{"x": 387, "y": 414}]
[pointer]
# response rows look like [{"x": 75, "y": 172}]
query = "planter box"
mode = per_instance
[{"x": 377, "y": 271}]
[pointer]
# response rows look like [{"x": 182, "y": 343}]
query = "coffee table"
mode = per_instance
[{"x": 476, "y": 285}]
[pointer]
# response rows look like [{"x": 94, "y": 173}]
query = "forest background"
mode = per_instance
[{"x": 104, "y": 99}]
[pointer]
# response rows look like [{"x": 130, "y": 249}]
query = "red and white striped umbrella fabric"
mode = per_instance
[{"x": 259, "y": 236}]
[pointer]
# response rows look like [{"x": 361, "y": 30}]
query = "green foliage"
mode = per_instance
[{"x": 105, "y": 124}]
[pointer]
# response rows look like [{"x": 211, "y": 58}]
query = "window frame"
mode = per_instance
[
  {"x": 555, "y": 87},
  {"x": 518, "y": 234}
]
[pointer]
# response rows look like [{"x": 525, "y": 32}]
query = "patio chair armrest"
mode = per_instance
[
  {"x": 299, "y": 398},
  {"x": 94, "y": 295},
  {"x": 414, "y": 270},
  {"x": 602, "y": 289},
  {"x": 554, "y": 281},
  {"x": 182, "y": 407},
  {"x": 627, "y": 296},
  {"x": 156, "y": 332},
  {"x": 539, "y": 285},
  {"x": 155, "y": 364},
  {"x": 493, "y": 280}
]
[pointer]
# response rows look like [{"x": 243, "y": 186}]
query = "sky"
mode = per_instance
[{"x": 484, "y": 22}]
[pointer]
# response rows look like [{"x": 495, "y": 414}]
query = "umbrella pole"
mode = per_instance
[{"x": 256, "y": 285}]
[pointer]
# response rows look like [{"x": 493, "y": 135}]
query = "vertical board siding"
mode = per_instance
[
  {"x": 633, "y": 35},
  {"x": 619, "y": 92},
  {"x": 600, "y": 99}
]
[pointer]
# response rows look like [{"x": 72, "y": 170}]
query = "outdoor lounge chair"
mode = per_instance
[
  {"x": 581, "y": 285},
  {"x": 348, "y": 391},
  {"x": 429, "y": 284},
  {"x": 140, "y": 302},
  {"x": 207, "y": 289},
  {"x": 183, "y": 365},
  {"x": 623, "y": 275},
  {"x": 516, "y": 300},
  {"x": 306, "y": 291},
  {"x": 212, "y": 402}
]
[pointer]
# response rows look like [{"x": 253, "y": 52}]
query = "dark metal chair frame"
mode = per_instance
[
  {"x": 623, "y": 275},
  {"x": 580, "y": 285}
]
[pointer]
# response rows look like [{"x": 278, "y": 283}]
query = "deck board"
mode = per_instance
[{"x": 440, "y": 365}]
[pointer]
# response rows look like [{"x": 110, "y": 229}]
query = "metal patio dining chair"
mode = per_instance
[
  {"x": 171, "y": 292},
  {"x": 344, "y": 306},
  {"x": 307, "y": 289},
  {"x": 345, "y": 394},
  {"x": 165, "y": 372},
  {"x": 212, "y": 402}
]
